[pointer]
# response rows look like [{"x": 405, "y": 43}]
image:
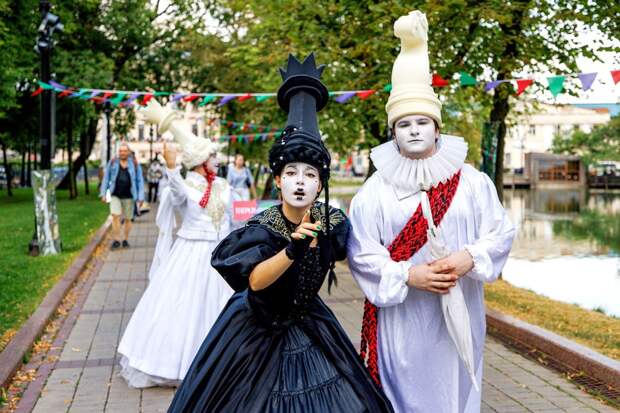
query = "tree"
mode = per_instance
[
  {"x": 355, "y": 40},
  {"x": 601, "y": 144}
]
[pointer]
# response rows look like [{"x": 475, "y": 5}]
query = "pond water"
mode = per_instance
[{"x": 567, "y": 245}]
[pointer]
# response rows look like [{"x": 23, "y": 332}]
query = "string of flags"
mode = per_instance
[
  {"x": 249, "y": 138},
  {"x": 555, "y": 84},
  {"x": 243, "y": 126}
]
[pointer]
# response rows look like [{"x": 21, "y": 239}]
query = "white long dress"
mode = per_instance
[
  {"x": 419, "y": 365},
  {"x": 185, "y": 294}
]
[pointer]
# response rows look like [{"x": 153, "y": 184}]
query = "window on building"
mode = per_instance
[
  {"x": 558, "y": 130},
  {"x": 507, "y": 159},
  {"x": 532, "y": 130},
  {"x": 141, "y": 132},
  {"x": 195, "y": 129}
]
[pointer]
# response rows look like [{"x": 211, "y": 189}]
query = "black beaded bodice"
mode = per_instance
[{"x": 309, "y": 280}]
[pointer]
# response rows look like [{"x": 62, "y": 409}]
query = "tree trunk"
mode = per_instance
[
  {"x": 498, "y": 114},
  {"x": 91, "y": 135},
  {"x": 72, "y": 183},
  {"x": 29, "y": 167},
  {"x": 7, "y": 169},
  {"x": 22, "y": 169},
  {"x": 268, "y": 187},
  {"x": 84, "y": 149},
  {"x": 376, "y": 132}
]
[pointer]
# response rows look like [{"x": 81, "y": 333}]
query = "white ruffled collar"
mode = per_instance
[{"x": 408, "y": 176}]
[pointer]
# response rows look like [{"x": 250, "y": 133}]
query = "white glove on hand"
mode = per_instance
[{"x": 161, "y": 116}]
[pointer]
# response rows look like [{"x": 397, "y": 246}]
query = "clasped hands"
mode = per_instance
[{"x": 440, "y": 275}]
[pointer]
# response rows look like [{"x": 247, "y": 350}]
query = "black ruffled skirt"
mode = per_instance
[{"x": 248, "y": 365}]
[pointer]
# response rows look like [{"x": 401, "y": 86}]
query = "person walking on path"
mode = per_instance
[
  {"x": 240, "y": 179},
  {"x": 125, "y": 183},
  {"x": 154, "y": 175},
  {"x": 428, "y": 231},
  {"x": 185, "y": 294}
]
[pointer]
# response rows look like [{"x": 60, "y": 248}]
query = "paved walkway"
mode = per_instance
[{"x": 85, "y": 377}]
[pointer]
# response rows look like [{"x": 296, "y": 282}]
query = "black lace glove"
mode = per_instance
[{"x": 297, "y": 248}]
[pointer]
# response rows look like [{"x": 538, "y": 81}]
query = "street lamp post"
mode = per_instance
[
  {"x": 46, "y": 239},
  {"x": 151, "y": 145}
]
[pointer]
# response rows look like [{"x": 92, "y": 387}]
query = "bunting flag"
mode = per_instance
[
  {"x": 225, "y": 100},
  {"x": 364, "y": 94},
  {"x": 244, "y": 97},
  {"x": 207, "y": 99},
  {"x": 439, "y": 81},
  {"x": 146, "y": 98},
  {"x": 191, "y": 98},
  {"x": 556, "y": 84},
  {"x": 117, "y": 97},
  {"x": 245, "y": 126},
  {"x": 523, "y": 84},
  {"x": 467, "y": 80},
  {"x": 345, "y": 96},
  {"x": 253, "y": 137},
  {"x": 586, "y": 80},
  {"x": 492, "y": 85}
]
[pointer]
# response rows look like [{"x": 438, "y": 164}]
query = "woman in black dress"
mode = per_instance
[{"x": 276, "y": 347}]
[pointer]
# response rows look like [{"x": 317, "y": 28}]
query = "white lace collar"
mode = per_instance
[{"x": 408, "y": 176}]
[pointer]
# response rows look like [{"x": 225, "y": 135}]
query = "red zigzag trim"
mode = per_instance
[{"x": 409, "y": 241}]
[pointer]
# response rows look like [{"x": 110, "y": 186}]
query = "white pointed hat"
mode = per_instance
[{"x": 412, "y": 93}]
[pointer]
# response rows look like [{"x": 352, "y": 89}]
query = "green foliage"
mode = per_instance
[
  {"x": 601, "y": 144},
  {"x": 25, "y": 280}
]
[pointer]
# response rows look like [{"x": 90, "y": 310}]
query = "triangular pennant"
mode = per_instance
[
  {"x": 57, "y": 85},
  {"x": 190, "y": 98},
  {"x": 387, "y": 88},
  {"x": 615, "y": 75},
  {"x": 178, "y": 97},
  {"x": 225, "y": 100},
  {"x": 492, "y": 85},
  {"x": 66, "y": 92},
  {"x": 207, "y": 99},
  {"x": 79, "y": 93},
  {"x": 162, "y": 93},
  {"x": 146, "y": 98},
  {"x": 244, "y": 97},
  {"x": 344, "y": 97},
  {"x": 439, "y": 81},
  {"x": 37, "y": 92},
  {"x": 45, "y": 85},
  {"x": 103, "y": 98},
  {"x": 523, "y": 84},
  {"x": 467, "y": 79},
  {"x": 364, "y": 94},
  {"x": 262, "y": 98},
  {"x": 586, "y": 80},
  {"x": 119, "y": 98},
  {"x": 556, "y": 84}
]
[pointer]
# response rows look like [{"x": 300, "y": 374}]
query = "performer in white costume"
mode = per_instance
[
  {"x": 185, "y": 294},
  {"x": 427, "y": 232}
]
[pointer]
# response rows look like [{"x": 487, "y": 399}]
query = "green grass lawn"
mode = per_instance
[
  {"x": 590, "y": 328},
  {"x": 24, "y": 280}
]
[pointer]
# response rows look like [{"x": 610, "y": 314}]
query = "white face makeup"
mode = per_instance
[
  {"x": 416, "y": 136},
  {"x": 300, "y": 184},
  {"x": 212, "y": 164}
]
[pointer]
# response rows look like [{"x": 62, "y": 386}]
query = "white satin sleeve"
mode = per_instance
[
  {"x": 178, "y": 190},
  {"x": 383, "y": 280},
  {"x": 166, "y": 223},
  {"x": 495, "y": 234}
]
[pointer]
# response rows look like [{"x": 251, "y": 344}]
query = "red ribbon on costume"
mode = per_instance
[
  {"x": 409, "y": 241},
  {"x": 205, "y": 197}
]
